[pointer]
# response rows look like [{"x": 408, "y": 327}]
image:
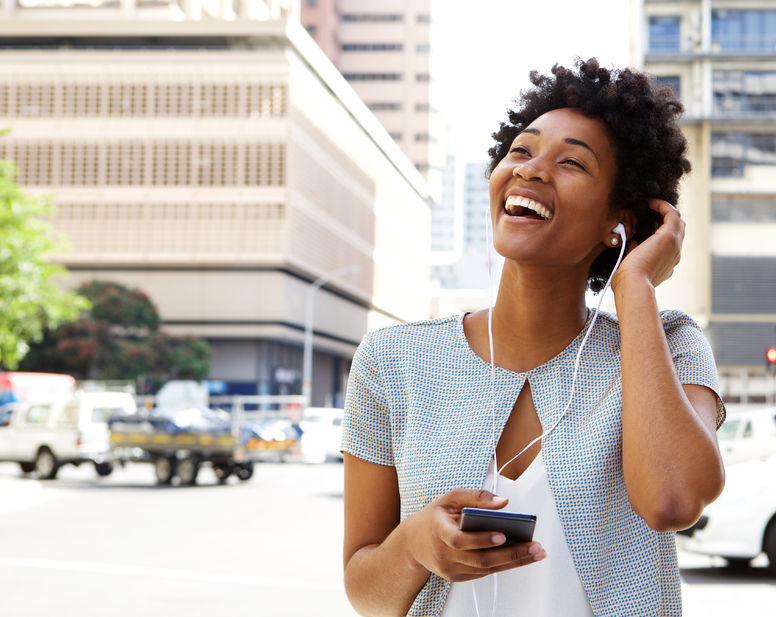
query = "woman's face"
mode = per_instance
[{"x": 550, "y": 195}]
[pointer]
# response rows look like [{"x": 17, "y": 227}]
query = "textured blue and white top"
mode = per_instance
[{"x": 419, "y": 399}]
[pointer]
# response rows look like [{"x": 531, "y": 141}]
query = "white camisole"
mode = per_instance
[{"x": 546, "y": 588}]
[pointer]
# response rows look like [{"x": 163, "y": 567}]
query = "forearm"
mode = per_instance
[
  {"x": 671, "y": 461},
  {"x": 384, "y": 579}
]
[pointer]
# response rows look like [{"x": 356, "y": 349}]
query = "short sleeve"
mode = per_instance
[
  {"x": 692, "y": 355},
  {"x": 366, "y": 428}
]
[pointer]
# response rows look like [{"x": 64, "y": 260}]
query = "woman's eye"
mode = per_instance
[
  {"x": 519, "y": 150},
  {"x": 573, "y": 162}
]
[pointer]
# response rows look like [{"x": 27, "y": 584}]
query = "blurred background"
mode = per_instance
[{"x": 207, "y": 203}]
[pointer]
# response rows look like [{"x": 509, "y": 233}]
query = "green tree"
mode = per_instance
[
  {"x": 119, "y": 337},
  {"x": 31, "y": 298}
]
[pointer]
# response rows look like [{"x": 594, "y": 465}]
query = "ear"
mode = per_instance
[{"x": 627, "y": 218}]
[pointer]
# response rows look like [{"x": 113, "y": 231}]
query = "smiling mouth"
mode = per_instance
[{"x": 516, "y": 205}]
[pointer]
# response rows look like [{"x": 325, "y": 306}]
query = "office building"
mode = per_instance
[
  {"x": 720, "y": 59},
  {"x": 212, "y": 156},
  {"x": 386, "y": 51}
]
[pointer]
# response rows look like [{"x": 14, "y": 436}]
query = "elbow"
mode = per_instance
[{"x": 680, "y": 511}]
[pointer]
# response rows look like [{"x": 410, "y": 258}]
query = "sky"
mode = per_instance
[{"x": 487, "y": 53}]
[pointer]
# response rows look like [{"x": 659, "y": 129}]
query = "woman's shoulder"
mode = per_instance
[
  {"x": 409, "y": 335},
  {"x": 672, "y": 320}
]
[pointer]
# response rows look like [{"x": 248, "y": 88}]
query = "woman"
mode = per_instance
[{"x": 634, "y": 458}]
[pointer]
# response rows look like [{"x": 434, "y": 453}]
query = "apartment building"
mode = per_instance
[
  {"x": 720, "y": 57},
  {"x": 386, "y": 50},
  {"x": 213, "y": 156}
]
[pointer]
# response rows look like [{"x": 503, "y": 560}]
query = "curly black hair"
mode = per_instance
[{"x": 642, "y": 120}]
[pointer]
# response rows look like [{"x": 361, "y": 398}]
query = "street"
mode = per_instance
[{"x": 121, "y": 546}]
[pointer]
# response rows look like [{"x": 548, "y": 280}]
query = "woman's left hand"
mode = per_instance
[{"x": 654, "y": 259}]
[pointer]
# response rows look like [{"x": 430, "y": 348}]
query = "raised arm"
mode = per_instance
[{"x": 671, "y": 459}]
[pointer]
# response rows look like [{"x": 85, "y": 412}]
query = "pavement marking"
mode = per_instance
[
  {"x": 22, "y": 493},
  {"x": 87, "y": 567}
]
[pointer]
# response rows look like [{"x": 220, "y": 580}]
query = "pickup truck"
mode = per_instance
[{"x": 43, "y": 435}]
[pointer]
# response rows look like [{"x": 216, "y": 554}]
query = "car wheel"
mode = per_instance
[
  {"x": 46, "y": 465},
  {"x": 223, "y": 471},
  {"x": 245, "y": 471},
  {"x": 103, "y": 469},
  {"x": 188, "y": 468},
  {"x": 769, "y": 546},
  {"x": 27, "y": 467},
  {"x": 164, "y": 469},
  {"x": 737, "y": 563}
]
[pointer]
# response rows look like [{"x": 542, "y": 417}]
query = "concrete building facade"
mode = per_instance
[
  {"x": 719, "y": 57},
  {"x": 385, "y": 49},
  {"x": 221, "y": 164}
]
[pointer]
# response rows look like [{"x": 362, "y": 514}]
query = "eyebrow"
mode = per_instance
[{"x": 569, "y": 140}]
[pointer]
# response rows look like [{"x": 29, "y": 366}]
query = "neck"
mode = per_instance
[{"x": 536, "y": 315}]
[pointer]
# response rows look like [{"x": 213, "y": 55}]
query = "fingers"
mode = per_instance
[
  {"x": 476, "y": 564},
  {"x": 466, "y": 498}
]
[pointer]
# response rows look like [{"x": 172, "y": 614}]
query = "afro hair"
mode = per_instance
[{"x": 642, "y": 120}]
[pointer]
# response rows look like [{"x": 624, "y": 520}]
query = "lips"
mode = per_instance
[{"x": 521, "y": 206}]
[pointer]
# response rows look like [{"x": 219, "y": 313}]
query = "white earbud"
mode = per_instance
[{"x": 620, "y": 229}]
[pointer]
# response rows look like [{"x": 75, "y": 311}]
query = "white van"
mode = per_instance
[{"x": 44, "y": 434}]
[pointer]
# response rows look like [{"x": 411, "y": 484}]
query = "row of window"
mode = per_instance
[
  {"x": 732, "y": 153},
  {"x": 422, "y": 18},
  {"x": 397, "y": 106},
  {"x": 734, "y": 31},
  {"x": 149, "y": 99},
  {"x": 419, "y": 77},
  {"x": 149, "y": 163},
  {"x": 744, "y": 92},
  {"x": 743, "y": 208},
  {"x": 421, "y": 48}
]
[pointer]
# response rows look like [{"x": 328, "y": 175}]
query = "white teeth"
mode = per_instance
[{"x": 516, "y": 201}]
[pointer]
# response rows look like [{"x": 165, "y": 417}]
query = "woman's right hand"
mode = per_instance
[{"x": 437, "y": 543}]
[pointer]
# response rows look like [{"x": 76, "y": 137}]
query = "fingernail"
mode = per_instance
[
  {"x": 540, "y": 556},
  {"x": 498, "y": 538},
  {"x": 498, "y": 499},
  {"x": 535, "y": 549}
]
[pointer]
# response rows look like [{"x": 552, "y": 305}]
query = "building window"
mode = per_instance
[
  {"x": 424, "y": 18},
  {"x": 311, "y": 2},
  {"x": 672, "y": 81},
  {"x": 422, "y": 77},
  {"x": 733, "y": 153},
  {"x": 743, "y": 31},
  {"x": 312, "y": 30},
  {"x": 664, "y": 33},
  {"x": 372, "y": 17},
  {"x": 396, "y": 136},
  {"x": 372, "y": 47},
  {"x": 423, "y": 48},
  {"x": 372, "y": 76},
  {"x": 744, "y": 92},
  {"x": 425, "y": 137},
  {"x": 743, "y": 284},
  {"x": 382, "y": 106},
  {"x": 743, "y": 208}
]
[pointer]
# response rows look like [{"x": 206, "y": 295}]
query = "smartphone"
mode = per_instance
[{"x": 516, "y": 527}]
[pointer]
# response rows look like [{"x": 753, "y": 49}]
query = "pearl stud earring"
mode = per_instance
[{"x": 615, "y": 241}]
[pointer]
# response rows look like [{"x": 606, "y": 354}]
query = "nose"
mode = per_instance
[{"x": 530, "y": 171}]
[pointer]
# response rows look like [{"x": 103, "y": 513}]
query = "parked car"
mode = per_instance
[
  {"x": 748, "y": 433},
  {"x": 741, "y": 523},
  {"x": 321, "y": 434},
  {"x": 44, "y": 433}
]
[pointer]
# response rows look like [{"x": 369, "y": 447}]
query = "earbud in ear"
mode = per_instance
[{"x": 619, "y": 229}]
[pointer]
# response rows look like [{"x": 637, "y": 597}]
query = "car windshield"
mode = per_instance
[{"x": 728, "y": 430}]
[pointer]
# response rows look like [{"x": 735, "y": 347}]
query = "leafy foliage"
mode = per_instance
[
  {"x": 119, "y": 338},
  {"x": 30, "y": 298}
]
